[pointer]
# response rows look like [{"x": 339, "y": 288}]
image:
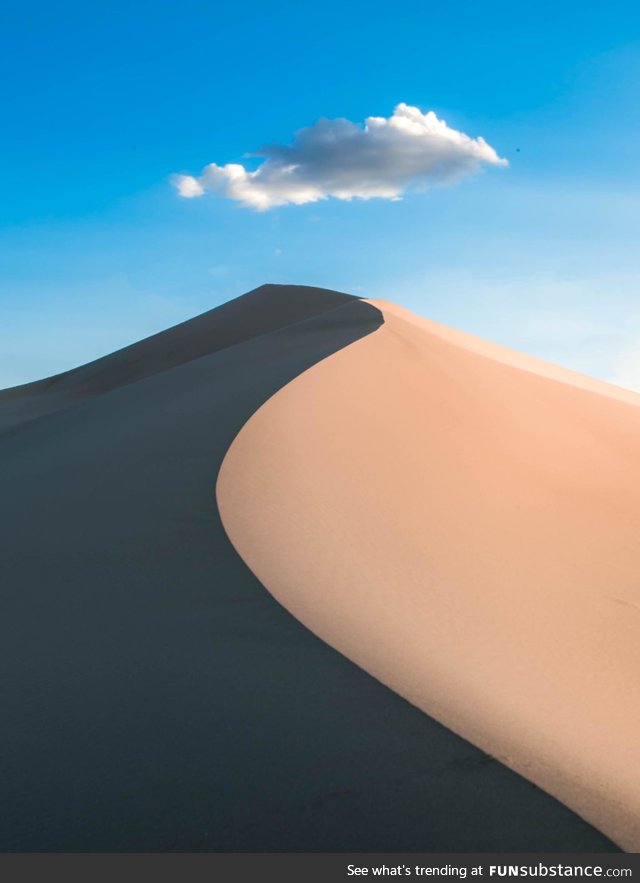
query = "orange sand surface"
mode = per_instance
[{"x": 463, "y": 522}]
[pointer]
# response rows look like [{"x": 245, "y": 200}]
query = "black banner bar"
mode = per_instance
[{"x": 321, "y": 867}]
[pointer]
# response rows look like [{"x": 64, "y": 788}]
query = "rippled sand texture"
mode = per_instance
[{"x": 463, "y": 522}]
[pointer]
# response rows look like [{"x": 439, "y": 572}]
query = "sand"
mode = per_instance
[
  {"x": 155, "y": 696},
  {"x": 462, "y": 522}
]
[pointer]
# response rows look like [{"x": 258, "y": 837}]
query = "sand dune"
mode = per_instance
[
  {"x": 463, "y": 522},
  {"x": 155, "y": 696}
]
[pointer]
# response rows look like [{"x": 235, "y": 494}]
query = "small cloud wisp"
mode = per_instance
[{"x": 384, "y": 158}]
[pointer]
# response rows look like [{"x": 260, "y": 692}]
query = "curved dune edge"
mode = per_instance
[{"x": 461, "y": 521}]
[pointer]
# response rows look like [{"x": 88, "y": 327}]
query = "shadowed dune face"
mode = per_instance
[
  {"x": 463, "y": 523},
  {"x": 136, "y": 649},
  {"x": 237, "y": 322}
]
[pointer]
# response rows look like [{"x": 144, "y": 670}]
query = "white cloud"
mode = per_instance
[
  {"x": 383, "y": 158},
  {"x": 188, "y": 186}
]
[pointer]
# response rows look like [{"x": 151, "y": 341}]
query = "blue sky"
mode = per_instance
[{"x": 103, "y": 102}]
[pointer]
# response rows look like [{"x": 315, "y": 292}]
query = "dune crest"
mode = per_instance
[{"x": 462, "y": 522}]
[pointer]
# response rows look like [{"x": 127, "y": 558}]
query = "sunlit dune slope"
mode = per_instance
[{"x": 463, "y": 522}]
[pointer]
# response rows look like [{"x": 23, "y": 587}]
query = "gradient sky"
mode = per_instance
[{"x": 103, "y": 102}]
